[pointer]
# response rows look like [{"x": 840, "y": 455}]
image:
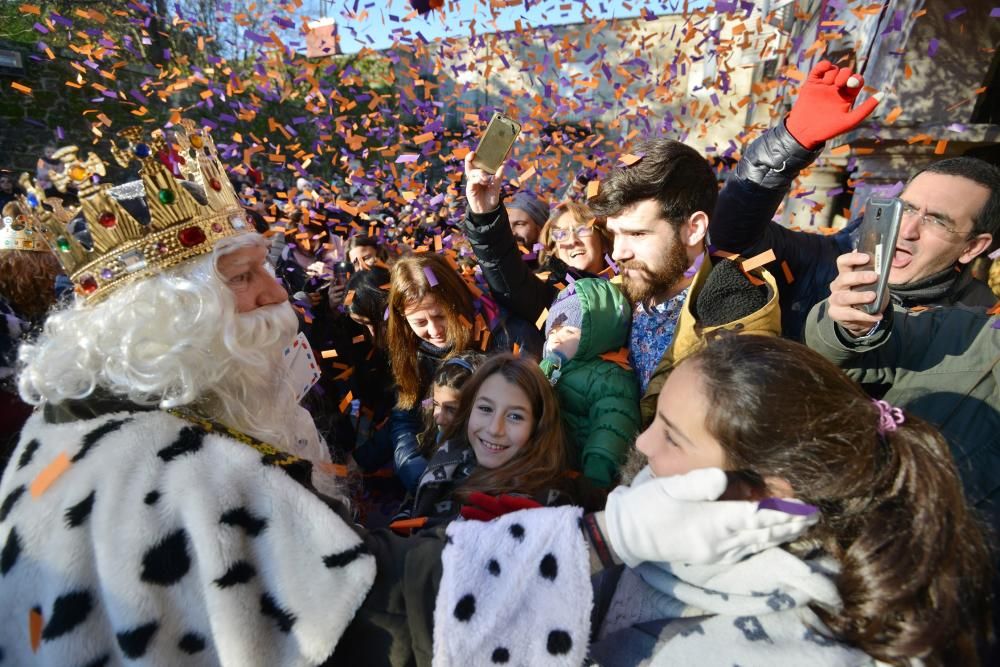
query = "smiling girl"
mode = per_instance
[{"x": 506, "y": 438}]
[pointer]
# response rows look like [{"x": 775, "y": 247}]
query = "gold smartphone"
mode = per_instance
[{"x": 496, "y": 143}]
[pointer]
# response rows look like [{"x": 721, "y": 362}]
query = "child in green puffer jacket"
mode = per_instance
[{"x": 599, "y": 398}]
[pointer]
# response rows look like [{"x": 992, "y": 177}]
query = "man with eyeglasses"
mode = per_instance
[{"x": 952, "y": 211}]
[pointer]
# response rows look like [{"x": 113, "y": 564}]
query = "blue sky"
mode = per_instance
[{"x": 386, "y": 16}]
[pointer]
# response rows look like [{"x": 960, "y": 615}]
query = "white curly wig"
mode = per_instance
[{"x": 176, "y": 339}]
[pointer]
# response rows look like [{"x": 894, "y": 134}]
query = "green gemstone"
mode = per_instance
[
  {"x": 62, "y": 243},
  {"x": 166, "y": 196}
]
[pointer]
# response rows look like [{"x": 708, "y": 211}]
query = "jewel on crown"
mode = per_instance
[
  {"x": 17, "y": 231},
  {"x": 117, "y": 247}
]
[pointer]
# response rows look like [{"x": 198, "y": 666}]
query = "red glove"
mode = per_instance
[
  {"x": 823, "y": 108},
  {"x": 484, "y": 507}
]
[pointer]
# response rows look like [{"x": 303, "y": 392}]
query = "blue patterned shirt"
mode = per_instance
[{"x": 652, "y": 332}]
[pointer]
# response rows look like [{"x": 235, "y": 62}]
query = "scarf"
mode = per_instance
[
  {"x": 755, "y": 612},
  {"x": 930, "y": 290}
]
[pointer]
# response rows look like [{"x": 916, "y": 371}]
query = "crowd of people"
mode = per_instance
[{"x": 245, "y": 428}]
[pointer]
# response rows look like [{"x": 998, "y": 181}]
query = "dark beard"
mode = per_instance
[{"x": 657, "y": 280}]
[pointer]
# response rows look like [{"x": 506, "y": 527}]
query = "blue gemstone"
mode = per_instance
[
  {"x": 141, "y": 150},
  {"x": 32, "y": 200}
]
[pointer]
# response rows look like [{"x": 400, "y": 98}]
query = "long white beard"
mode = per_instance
[{"x": 255, "y": 395}]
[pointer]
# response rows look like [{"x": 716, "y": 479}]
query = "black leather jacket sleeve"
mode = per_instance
[{"x": 511, "y": 280}]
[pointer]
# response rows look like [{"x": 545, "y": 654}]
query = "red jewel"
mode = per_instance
[
  {"x": 88, "y": 285},
  {"x": 214, "y": 182},
  {"x": 191, "y": 236},
  {"x": 216, "y": 227},
  {"x": 107, "y": 219}
]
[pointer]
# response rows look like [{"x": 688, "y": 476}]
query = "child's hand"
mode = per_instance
[{"x": 484, "y": 507}]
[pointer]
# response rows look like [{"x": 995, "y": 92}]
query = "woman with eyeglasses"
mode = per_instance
[
  {"x": 576, "y": 237},
  {"x": 574, "y": 244}
]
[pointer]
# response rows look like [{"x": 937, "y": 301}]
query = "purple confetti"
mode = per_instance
[
  {"x": 611, "y": 263},
  {"x": 407, "y": 157},
  {"x": 954, "y": 14},
  {"x": 693, "y": 269},
  {"x": 995, "y": 14},
  {"x": 254, "y": 37},
  {"x": 932, "y": 47},
  {"x": 787, "y": 506},
  {"x": 61, "y": 20},
  {"x": 431, "y": 278}
]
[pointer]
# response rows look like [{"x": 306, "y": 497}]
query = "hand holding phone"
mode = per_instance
[
  {"x": 877, "y": 238},
  {"x": 845, "y": 301},
  {"x": 496, "y": 143},
  {"x": 482, "y": 190}
]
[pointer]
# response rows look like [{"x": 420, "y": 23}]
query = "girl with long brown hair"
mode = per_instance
[
  {"x": 431, "y": 318},
  {"x": 896, "y": 569},
  {"x": 506, "y": 438}
]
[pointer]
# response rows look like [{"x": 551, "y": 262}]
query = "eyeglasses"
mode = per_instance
[
  {"x": 560, "y": 234},
  {"x": 932, "y": 223}
]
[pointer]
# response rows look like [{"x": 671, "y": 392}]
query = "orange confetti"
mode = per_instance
[
  {"x": 893, "y": 115},
  {"x": 758, "y": 261},
  {"x": 592, "y": 188},
  {"x": 328, "y": 354},
  {"x": 619, "y": 357},
  {"x": 20, "y": 88},
  {"x": 35, "y": 628},
  {"x": 842, "y": 149},
  {"x": 939, "y": 149},
  {"x": 789, "y": 278},
  {"x": 540, "y": 322},
  {"x": 31, "y": 9},
  {"x": 423, "y": 138},
  {"x": 628, "y": 159},
  {"x": 50, "y": 474},
  {"x": 793, "y": 72},
  {"x": 346, "y": 401},
  {"x": 406, "y": 526},
  {"x": 358, "y": 339},
  {"x": 335, "y": 469}
]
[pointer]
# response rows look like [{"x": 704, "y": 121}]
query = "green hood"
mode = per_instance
[{"x": 606, "y": 318}]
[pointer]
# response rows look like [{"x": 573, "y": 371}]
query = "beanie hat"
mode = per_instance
[
  {"x": 566, "y": 311},
  {"x": 536, "y": 209},
  {"x": 728, "y": 296}
]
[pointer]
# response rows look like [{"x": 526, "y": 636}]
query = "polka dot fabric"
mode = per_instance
[
  {"x": 505, "y": 591},
  {"x": 162, "y": 544}
]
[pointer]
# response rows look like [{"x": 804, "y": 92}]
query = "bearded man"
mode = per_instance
[
  {"x": 151, "y": 511},
  {"x": 656, "y": 211}
]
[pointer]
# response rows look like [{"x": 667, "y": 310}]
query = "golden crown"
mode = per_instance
[
  {"x": 17, "y": 231},
  {"x": 125, "y": 245}
]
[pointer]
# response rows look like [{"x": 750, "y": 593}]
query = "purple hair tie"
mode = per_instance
[{"x": 889, "y": 416}]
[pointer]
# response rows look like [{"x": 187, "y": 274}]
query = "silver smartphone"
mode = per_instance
[
  {"x": 496, "y": 143},
  {"x": 877, "y": 236}
]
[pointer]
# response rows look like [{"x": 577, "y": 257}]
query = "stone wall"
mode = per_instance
[{"x": 29, "y": 122}]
